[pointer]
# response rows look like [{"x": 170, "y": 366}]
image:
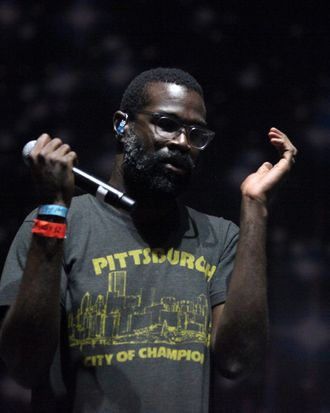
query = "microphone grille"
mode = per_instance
[{"x": 27, "y": 150}]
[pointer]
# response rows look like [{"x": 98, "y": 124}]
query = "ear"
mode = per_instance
[{"x": 119, "y": 124}]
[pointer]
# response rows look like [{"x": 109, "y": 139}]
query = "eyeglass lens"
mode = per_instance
[{"x": 167, "y": 128}]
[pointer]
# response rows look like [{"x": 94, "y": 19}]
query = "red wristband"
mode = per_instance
[{"x": 49, "y": 229}]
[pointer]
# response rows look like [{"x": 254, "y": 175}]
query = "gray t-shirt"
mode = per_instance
[{"x": 136, "y": 311}]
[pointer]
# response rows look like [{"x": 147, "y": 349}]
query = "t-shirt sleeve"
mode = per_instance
[
  {"x": 15, "y": 264},
  {"x": 221, "y": 278}
]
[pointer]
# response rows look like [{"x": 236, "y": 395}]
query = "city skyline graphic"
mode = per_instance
[{"x": 117, "y": 318}]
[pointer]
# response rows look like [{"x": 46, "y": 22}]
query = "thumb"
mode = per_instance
[{"x": 264, "y": 168}]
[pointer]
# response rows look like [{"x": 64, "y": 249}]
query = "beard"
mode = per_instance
[{"x": 145, "y": 173}]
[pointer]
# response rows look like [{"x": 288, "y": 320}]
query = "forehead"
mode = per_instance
[{"x": 176, "y": 99}]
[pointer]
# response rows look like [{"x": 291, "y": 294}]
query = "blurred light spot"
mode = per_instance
[
  {"x": 66, "y": 135},
  {"x": 305, "y": 261},
  {"x": 279, "y": 235},
  {"x": 28, "y": 92},
  {"x": 236, "y": 175},
  {"x": 307, "y": 268},
  {"x": 245, "y": 166},
  {"x": 312, "y": 334},
  {"x": 62, "y": 83},
  {"x": 7, "y": 141},
  {"x": 319, "y": 137},
  {"x": 249, "y": 78},
  {"x": 204, "y": 17},
  {"x": 119, "y": 74},
  {"x": 9, "y": 14},
  {"x": 301, "y": 112},
  {"x": 112, "y": 43},
  {"x": 27, "y": 32},
  {"x": 82, "y": 17},
  {"x": 38, "y": 111}
]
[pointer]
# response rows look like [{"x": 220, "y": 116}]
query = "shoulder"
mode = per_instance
[
  {"x": 215, "y": 233},
  {"x": 213, "y": 222},
  {"x": 80, "y": 203},
  {"x": 82, "y": 207}
]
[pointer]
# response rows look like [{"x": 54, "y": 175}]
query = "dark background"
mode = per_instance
[{"x": 63, "y": 68}]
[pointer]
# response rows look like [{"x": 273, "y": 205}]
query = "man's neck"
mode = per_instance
[{"x": 153, "y": 210}]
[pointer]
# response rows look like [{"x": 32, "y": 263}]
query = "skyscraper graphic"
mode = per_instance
[
  {"x": 117, "y": 283},
  {"x": 116, "y": 318}
]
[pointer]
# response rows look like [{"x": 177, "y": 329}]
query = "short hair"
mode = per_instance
[{"x": 136, "y": 97}]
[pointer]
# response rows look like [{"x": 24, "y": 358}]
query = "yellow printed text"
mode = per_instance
[{"x": 146, "y": 256}]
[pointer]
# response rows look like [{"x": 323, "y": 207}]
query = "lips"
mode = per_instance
[
  {"x": 178, "y": 164},
  {"x": 177, "y": 169}
]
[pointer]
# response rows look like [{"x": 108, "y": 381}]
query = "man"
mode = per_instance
[{"x": 123, "y": 314}]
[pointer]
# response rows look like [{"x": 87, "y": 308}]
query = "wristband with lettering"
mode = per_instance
[
  {"x": 49, "y": 229},
  {"x": 56, "y": 210}
]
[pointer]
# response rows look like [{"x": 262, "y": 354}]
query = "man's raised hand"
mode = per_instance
[
  {"x": 260, "y": 184},
  {"x": 51, "y": 162}
]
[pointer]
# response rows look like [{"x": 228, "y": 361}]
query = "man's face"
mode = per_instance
[{"x": 155, "y": 168}]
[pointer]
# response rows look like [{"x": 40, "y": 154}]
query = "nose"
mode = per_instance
[{"x": 181, "y": 140}]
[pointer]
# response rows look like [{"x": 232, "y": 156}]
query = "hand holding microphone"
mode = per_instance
[{"x": 52, "y": 164}]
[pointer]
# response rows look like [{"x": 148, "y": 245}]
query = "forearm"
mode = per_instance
[
  {"x": 241, "y": 333},
  {"x": 30, "y": 331}
]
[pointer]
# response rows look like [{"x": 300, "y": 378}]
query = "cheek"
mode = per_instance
[
  {"x": 194, "y": 153},
  {"x": 146, "y": 137}
]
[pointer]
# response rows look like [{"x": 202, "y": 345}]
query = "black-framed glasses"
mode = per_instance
[{"x": 169, "y": 127}]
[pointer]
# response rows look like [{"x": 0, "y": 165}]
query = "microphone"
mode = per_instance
[{"x": 92, "y": 185}]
